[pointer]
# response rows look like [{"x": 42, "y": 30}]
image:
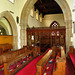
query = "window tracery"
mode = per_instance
[{"x": 54, "y": 24}]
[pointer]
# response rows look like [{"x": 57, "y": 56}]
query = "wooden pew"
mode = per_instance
[
  {"x": 5, "y": 57},
  {"x": 60, "y": 64},
  {"x": 8, "y": 71},
  {"x": 10, "y": 55},
  {"x": 5, "y": 48},
  {"x": 55, "y": 51},
  {"x": 43, "y": 62},
  {"x": 35, "y": 48}
]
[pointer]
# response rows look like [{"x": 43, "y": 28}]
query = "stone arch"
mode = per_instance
[
  {"x": 10, "y": 19},
  {"x": 68, "y": 20},
  {"x": 67, "y": 17}
]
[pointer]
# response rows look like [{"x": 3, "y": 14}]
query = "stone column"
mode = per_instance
[
  {"x": 68, "y": 34},
  {"x": 23, "y": 34},
  {"x": 15, "y": 42}
]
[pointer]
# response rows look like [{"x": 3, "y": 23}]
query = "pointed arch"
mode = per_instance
[
  {"x": 67, "y": 18},
  {"x": 12, "y": 23}
]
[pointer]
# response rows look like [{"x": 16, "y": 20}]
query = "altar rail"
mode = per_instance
[{"x": 40, "y": 65}]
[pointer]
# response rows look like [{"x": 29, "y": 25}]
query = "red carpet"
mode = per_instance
[{"x": 30, "y": 69}]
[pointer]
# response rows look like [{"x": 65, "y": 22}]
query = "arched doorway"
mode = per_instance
[
  {"x": 67, "y": 17},
  {"x": 6, "y": 15}
]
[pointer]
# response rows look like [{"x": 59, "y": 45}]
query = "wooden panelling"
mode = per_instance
[
  {"x": 6, "y": 39},
  {"x": 47, "y": 37}
]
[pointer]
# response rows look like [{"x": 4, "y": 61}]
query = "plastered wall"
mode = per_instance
[
  {"x": 48, "y": 19},
  {"x": 33, "y": 22}
]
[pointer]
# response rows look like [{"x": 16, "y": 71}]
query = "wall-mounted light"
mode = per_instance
[
  {"x": 1, "y": 33},
  {"x": 0, "y": 30},
  {"x": 71, "y": 39}
]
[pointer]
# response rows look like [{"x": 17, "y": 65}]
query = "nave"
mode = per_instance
[{"x": 29, "y": 28}]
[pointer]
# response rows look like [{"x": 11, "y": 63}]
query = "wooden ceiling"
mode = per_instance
[{"x": 48, "y": 7}]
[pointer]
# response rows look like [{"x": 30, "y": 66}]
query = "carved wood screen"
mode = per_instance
[{"x": 46, "y": 37}]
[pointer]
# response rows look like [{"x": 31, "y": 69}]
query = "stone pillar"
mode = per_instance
[
  {"x": 68, "y": 34},
  {"x": 23, "y": 34},
  {"x": 15, "y": 42}
]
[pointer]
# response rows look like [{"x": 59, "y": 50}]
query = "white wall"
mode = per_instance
[
  {"x": 33, "y": 22},
  {"x": 48, "y": 19}
]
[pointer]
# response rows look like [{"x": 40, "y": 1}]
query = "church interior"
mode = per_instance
[{"x": 37, "y": 37}]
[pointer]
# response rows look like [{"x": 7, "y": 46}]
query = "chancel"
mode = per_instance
[{"x": 37, "y": 37}]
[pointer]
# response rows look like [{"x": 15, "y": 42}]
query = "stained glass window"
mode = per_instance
[
  {"x": 32, "y": 12},
  {"x": 41, "y": 17},
  {"x": 54, "y": 24},
  {"x": 37, "y": 14},
  {"x": 53, "y": 33},
  {"x": 57, "y": 33}
]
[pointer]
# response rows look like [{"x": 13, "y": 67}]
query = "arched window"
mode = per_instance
[
  {"x": 32, "y": 12},
  {"x": 54, "y": 24}
]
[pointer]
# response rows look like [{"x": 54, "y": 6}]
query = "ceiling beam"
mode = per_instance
[
  {"x": 47, "y": 10},
  {"x": 42, "y": 4},
  {"x": 47, "y": 4}
]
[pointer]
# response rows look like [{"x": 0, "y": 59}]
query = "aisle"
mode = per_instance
[{"x": 30, "y": 69}]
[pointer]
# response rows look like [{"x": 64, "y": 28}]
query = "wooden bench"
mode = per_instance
[
  {"x": 55, "y": 51},
  {"x": 10, "y": 55},
  {"x": 5, "y": 48},
  {"x": 42, "y": 63},
  {"x": 36, "y": 48},
  {"x": 5, "y": 57},
  {"x": 60, "y": 64},
  {"x": 12, "y": 66}
]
